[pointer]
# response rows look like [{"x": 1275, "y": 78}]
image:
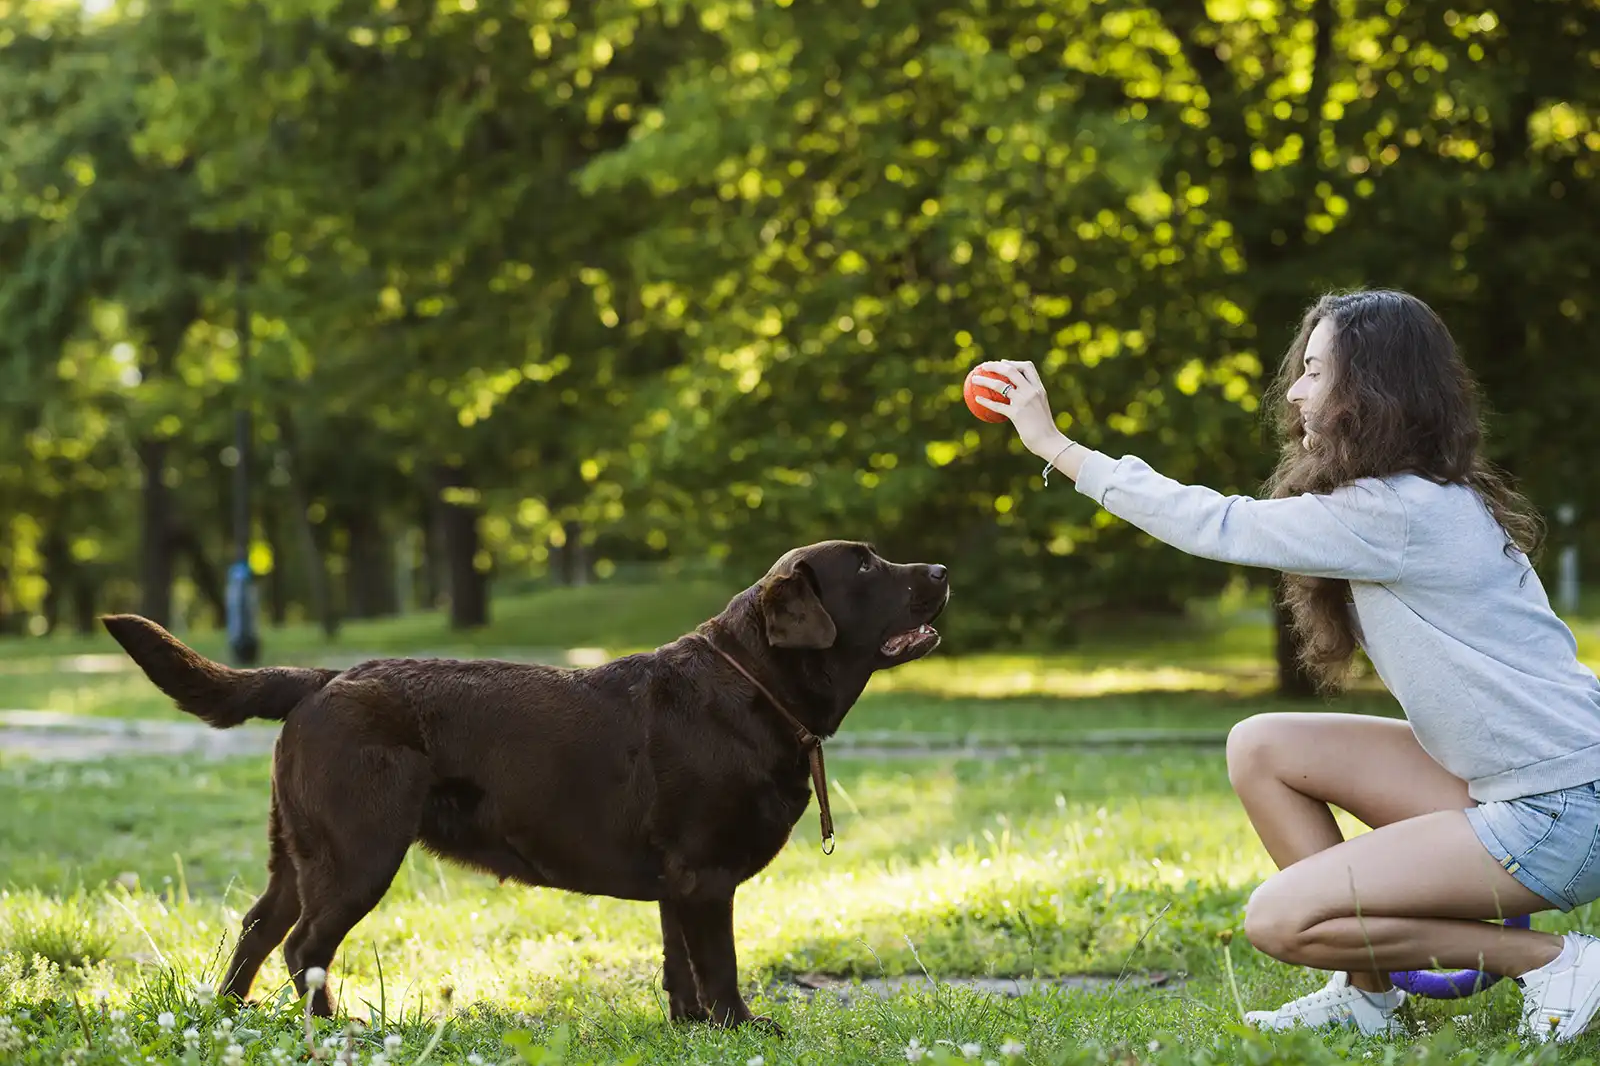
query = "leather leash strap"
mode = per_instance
[{"x": 808, "y": 740}]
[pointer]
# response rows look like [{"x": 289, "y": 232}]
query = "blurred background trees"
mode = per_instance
[{"x": 552, "y": 291}]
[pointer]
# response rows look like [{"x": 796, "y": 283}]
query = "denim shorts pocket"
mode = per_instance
[{"x": 1537, "y": 817}]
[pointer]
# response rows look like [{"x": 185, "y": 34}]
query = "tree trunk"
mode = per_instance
[
  {"x": 85, "y": 618},
  {"x": 315, "y": 562},
  {"x": 467, "y": 588},
  {"x": 1294, "y": 682},
  {"x": 10, "y": 618},
  {"x": 574, "y": 554},
  {"x": 184, "y": 539},
  {"x": 369, "y": 567},
  {"x": 432, "y": 556},
  {"x": 57, "y": 575},
  {"x": 155, "y": 576},
  {"x": 277, "y": 581},
  {"x": 12, "y": 623}
]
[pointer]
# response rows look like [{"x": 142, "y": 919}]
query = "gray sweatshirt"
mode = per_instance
[{"x": 1461, "y": 633}]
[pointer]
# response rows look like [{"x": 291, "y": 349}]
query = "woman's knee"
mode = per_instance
[
  {"x": 1275, "y": 923},
  {"x": 1256, "y": 746}
]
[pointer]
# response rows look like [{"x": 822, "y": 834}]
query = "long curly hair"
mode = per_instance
[{"x": 1397, "y": 399}]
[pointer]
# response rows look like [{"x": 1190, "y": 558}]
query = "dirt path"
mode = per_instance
[
  {"x": 807, "y": 985},
  {"x": 49, "y": 735},
  {"x": 52, "y": 736}
]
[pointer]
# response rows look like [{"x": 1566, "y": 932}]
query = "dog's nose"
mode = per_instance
[{"x": 938, "y": 572}]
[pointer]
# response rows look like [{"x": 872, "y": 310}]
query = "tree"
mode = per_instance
[{"x": 91, "y": 222}]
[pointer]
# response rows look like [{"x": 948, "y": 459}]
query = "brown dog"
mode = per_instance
[{"x": 671, "y": 776}]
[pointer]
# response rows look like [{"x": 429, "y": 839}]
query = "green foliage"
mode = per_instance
[{"x": 646, "y": 279}]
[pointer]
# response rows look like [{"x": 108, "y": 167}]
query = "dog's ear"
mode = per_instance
[{"x": 793, "y": 611}]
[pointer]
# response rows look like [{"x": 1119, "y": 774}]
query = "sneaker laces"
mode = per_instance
[
  {"x": 1321, "y": 996},
  {"x": 1335, "y": 991}
]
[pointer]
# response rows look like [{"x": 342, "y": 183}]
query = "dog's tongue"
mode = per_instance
[{"x": 901, "y": 641}]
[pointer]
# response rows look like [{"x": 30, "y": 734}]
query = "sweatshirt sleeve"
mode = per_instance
[{"x": 1356, "y": 532}]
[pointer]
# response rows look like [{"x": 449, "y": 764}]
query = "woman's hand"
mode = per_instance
[{"x": 1026, "y": 405}]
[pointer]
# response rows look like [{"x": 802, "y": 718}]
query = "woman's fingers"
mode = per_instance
[
  {"x": 997, "y": 384},
  {"x": 996, "y": 405},
  {"x": 1022, "y": 369}
]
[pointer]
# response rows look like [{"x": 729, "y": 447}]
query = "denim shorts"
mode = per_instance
[{"x": 1550, "y": 842}]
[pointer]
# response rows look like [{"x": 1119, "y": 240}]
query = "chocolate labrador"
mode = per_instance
[{"x": 671, "y": 776}]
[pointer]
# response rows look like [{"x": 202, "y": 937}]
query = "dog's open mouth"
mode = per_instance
[{"x": 912, "y": 640}]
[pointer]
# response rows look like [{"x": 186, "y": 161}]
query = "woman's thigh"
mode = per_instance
[{"x": 1371, "y": 767}]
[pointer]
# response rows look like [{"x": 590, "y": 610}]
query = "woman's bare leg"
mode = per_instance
[
  {"x": 1414, "y": 894},
  {"x": 1287, "y": 768}
]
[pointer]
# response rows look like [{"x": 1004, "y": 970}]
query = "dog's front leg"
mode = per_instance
[
  {"x": 708, "y": 930},
  {"x": 683, "y": 991}
]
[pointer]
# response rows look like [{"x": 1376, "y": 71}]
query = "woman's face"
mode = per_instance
[{"x": 1311, "y": 386}]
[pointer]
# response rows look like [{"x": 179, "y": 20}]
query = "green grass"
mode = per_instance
[
  {"x": 1123, "y": 863},
  {"x": 124, "y": 881}
]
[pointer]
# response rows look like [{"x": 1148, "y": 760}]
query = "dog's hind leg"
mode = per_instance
[
  {"x": 348, "y": 844},
  {"x": 270, "y": 919},
  {"x": 683, "y": 991}
]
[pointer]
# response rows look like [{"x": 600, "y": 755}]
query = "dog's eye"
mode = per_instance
[{"x": 866, "y": 564}]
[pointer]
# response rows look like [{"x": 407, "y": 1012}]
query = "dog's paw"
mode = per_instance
[{"x": 680, "y": 1015}]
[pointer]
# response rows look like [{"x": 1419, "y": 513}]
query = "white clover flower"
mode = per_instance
[
  {"x": 1011, "y": 1049},
  {"x": 971, "y": 1050},
  {"x": 203, "y": 994},
  {"x": 915, "y": 1051},
  {"x": 474, "y": 1060},
  {"x": 755, "y": 1060},
  {"x": 316, "y": 977},
  {"x": 233, "y": 1055},
  {"x": 392, "y": 1042},
  {"x": 167, "y": 1021}
]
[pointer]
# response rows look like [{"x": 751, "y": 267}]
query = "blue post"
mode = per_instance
[
  {"x": 241, "y": 600},
  {"x": 241, "y": 595}
]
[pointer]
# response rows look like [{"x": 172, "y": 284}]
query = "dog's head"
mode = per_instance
[{"x": 843, "y": 596}]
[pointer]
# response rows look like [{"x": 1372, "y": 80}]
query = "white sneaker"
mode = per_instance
[
  {"x": 1336, "y": 1003},
  {"x": 1560, "y": 1005}
]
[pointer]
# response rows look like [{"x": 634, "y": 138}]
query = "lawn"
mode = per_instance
[{"x": 1102, "y": 843}]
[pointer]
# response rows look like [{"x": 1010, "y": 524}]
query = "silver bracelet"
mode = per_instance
[{"x": 1051, "y": 465}]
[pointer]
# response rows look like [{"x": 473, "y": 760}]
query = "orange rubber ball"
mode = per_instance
[{"x": 970, "y": 390}]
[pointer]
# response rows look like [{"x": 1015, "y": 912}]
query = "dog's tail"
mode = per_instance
[{"x": 219, "y": 695}]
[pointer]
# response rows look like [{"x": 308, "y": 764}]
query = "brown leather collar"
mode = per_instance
[{"x": 808, "y": 741}]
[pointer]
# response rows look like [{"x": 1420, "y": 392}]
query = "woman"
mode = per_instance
[{"x": 1392, "y": 530}]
